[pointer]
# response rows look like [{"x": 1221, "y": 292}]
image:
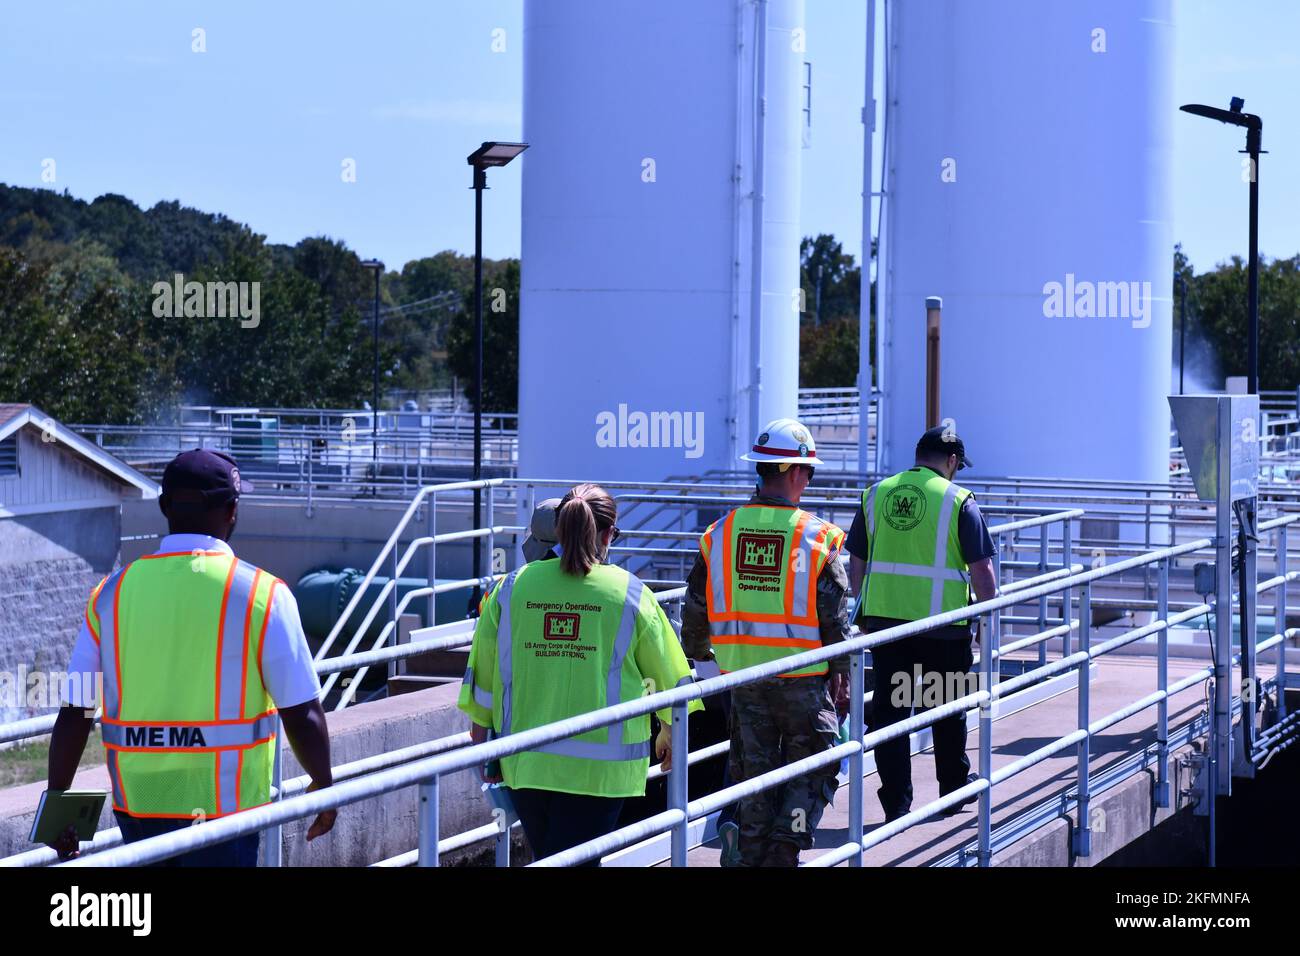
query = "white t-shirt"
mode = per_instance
[{"x": 287, "y": 668}]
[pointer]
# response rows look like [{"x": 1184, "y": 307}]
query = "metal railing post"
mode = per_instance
[
  {"x": 985, "y": 854},
  {"x": 491, "y": 538},
  {"x": 428, "y": 851},
  {"x": 1279, "y": 621},
  {"x": 1083, "y": 830},
  {"x": 857, "y": 731},
  {"x": 1067, "y": 594},
  {"x": 502, "y": 860},
  {"x": 677, "y": 783},
  {"x": 1162, "y": 678},
  {"x": 392, "y": 615},
  {"x": 1042, "y": 601},
  {"x": 273, "y": 854},
  {"x": 431, "y": 524}
]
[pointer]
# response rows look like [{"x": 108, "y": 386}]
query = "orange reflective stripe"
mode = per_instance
[
  {"x": 726, "y": 560},
  {"x": 184, "y": 554},
  {"x": 190, "y": 723}
]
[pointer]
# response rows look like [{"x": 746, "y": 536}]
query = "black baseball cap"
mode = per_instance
[
  {"x": 942, "y": 440},
  {"x": 204, "y": 478}
]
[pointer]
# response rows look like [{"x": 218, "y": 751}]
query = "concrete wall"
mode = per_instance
[
  {"x": 48, "y": 565},
  {"x": 365, "y": 832}
]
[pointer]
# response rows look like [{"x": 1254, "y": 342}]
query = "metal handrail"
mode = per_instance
[{"x": 426, "y": 772}]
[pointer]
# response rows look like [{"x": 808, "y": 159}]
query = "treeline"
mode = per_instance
[
  {"x": 1215, "y": 335},
  {"x": 1216, "y": 316},
  {"x": 86, "y": 338}
]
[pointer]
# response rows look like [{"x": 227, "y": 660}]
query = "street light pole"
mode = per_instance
[
  {"x": 489, "y": 154},
  {"x": 1254, "y": 127},
  {"x": 1254, "y": 134},
  {"x": 480, "y": 184}
]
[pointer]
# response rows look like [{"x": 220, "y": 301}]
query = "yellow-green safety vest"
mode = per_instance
[
  {"x": 915, "y": 567},
  {"x": 550, "y": 645},
  {"x": 763, "y": 563},
  {"x": 189, "y": 727}
]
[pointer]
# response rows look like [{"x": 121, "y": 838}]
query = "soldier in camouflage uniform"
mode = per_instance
[{"x": 777, "y": 720}]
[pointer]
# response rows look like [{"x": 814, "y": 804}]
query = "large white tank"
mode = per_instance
[
  {"x": 651, "y": 214},
  {"x": 1029, "y": 143}
]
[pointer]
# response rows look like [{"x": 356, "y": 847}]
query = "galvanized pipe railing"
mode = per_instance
[{"x": 425, "y": 772}]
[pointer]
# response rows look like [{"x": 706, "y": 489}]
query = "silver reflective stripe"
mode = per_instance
[
  {"x": 941, "y": 547},
  {"x": 505, "y": 669},
  {"x": 800, "y": 632},
  {"x": 870, "y": 509},
  {"x": 717, "y": 580},
  {"x": 230, "y": 665},
  {"x": 115, "y": 777},
  {"x": 481, "y": 697},
  {"x": 919, "y": 571},
  {"x": 228, "y": 781},
  {"x": 801, "y": 572},
  {"x": 688, "y": 679},
  {"x": 104, "y": 610},
  {"x": 623, "y": 641},
  {"x": 197, "y": 737},
  {"x": 590, "y": 750}
]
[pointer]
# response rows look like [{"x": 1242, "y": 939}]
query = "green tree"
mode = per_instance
[
  {"x": 500, "y": 338},
  {"x": 1217, "y": 311}
]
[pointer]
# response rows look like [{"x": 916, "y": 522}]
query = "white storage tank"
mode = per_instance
[
  {"x": 1029, "y": 148},
  {"x": 658, "y": 195}
]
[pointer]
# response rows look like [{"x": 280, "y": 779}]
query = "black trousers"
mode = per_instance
[
  {"x": 241, "y": 851},
  {"x": 554, "y": 821},
  {"x": 943, "y": 664}
]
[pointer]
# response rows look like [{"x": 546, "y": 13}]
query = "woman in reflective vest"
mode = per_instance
[{"x": 562, "y": 637}]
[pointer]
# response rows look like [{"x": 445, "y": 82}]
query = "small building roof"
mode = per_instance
[{"x": 14, "y": 416}]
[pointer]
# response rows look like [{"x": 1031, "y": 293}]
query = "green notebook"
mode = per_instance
[{"x": 60, "y": 809}]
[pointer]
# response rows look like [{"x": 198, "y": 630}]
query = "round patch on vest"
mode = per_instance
[{"x": 904, "y": 507}]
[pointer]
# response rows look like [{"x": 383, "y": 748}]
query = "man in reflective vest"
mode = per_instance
[
  {"x": 917, "y": 548},
  {"x": 768, "y": 584},
  {"x": 197, "y": 650}
]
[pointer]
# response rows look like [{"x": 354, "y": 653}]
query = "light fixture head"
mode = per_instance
[{"x": 495, "y": 154}]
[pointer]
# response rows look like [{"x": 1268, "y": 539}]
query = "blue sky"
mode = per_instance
[{"x": 258, "y": 126}]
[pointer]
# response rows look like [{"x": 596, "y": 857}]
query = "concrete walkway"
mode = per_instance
[{"x": 1117, "y": 683}]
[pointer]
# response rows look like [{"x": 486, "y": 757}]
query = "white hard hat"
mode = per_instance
[{"x": 784, "y": 442}]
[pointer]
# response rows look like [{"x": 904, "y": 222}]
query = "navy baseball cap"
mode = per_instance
[
  {"x": 942, "y": 440},
  {"x": 203, "y": 477}
]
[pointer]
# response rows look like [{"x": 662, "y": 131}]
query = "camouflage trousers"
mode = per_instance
[{"x": 775, "y": 722}]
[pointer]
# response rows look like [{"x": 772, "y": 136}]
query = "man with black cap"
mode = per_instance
[
  {"x": 919, "y": 547},
  {"x": 198, "y": 651}
]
